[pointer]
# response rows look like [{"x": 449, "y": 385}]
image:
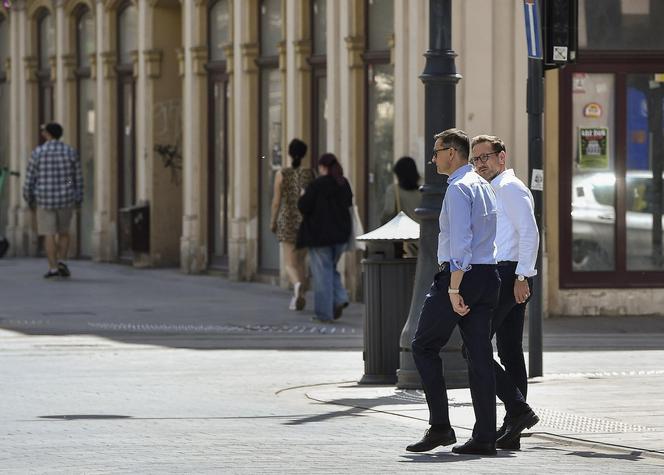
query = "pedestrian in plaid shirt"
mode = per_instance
[{"x": 54, "y": 185}]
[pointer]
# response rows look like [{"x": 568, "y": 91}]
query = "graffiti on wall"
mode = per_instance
[{"x": 168, "y": 133}]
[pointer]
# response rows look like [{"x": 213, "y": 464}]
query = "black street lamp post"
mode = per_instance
[{"x": 440, "y": 79}]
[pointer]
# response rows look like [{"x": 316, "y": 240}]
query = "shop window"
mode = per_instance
[
  {"x": 4, "y": 119},
  {"x": 621, "y": 25},
  {"x": 219, "y": 29},
  {"x": 612, "y": 164},
  {"x": 46, "y": 50},
  {"x": 380, "y": 106},
  {"x": 85, "y": 47},
  {"x": 318, "y": 63},
  {"x": 271, "y": 35},
  {"x": 219, "y": 36},
  {"x": 127, "y": 21}
]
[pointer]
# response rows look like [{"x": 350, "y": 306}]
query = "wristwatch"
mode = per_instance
[{"x": 520, "y": 278}]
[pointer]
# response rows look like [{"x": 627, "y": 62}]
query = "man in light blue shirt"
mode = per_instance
[{"x": 465, "y": 293}]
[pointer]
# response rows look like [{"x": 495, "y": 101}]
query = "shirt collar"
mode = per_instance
[
  {"x": 459, "y": 172},
  {"x": 498, "y": 180}
]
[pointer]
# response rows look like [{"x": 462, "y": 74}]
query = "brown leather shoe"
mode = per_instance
[{"x": 432, "y": 439}]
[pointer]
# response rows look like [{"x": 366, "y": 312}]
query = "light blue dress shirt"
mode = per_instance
[{"x": 467, "y": 221}]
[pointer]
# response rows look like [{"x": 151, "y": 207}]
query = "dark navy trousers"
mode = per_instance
[
  {"x": 480, "y": 289},
  {"x": 508, "y": 320}
]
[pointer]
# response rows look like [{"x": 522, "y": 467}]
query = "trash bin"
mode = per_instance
[
  {"x": 135, "y": 228},
  {"x": 388, "y": 289}
]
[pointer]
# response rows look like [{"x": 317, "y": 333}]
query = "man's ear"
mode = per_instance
[{"x": 502, "y": 156}]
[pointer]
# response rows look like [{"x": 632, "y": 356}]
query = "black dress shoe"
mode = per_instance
[
  {"x": 432, "y": 439},
  {"x": 514, "y": 444},
  {"x": 474, "y": 447},
  {"x": 516, "y": 425}
]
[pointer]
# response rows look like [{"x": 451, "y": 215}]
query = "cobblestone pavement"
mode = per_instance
[
  {"x": 85, "y": 404},
  {"x": 168, "y": 308}
]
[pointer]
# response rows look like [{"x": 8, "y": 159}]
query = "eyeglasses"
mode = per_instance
[
  {"x": 436, "y": 150},
  {"x": 482, "y": 158}
]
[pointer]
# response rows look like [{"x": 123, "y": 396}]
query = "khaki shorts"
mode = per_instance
[{"x": 53, "y": 221}]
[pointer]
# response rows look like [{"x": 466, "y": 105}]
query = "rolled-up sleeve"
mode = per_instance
[
  {"x": 459, "y": 203},
  {"x": 518, "y": 207}
]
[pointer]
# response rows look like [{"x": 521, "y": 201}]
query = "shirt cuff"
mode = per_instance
[
  {"x": 456, "y": 265},
  {"x": 524, "y": 272}
]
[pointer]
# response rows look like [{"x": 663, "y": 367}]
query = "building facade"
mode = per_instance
[{"x": 186, "y": 107}]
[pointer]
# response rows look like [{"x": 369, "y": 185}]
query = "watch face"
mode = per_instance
[{"x": 520, "y": 278}]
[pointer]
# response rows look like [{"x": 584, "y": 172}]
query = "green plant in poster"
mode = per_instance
[{"x": 593, "y": 148}]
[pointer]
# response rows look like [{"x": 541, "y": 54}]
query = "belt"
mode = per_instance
[{"x": 507, "y": 263}]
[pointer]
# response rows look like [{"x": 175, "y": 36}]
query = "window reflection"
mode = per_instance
[
  {"x": 127, "y": 34},
  {"x": 381, "y": 138},
  {"x": 645, "y": 159},
  {"x": 593, "y": 179},
  {"x": 621, "y": 24},
  {"x": 219, "y": 30}
]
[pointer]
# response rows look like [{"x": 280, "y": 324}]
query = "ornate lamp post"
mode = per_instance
[{"x": 440, "y": 79}]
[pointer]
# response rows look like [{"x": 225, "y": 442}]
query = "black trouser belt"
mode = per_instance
[{"x": 507, "y": 263}]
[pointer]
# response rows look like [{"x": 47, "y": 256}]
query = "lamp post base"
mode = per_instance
[{"x": 455, "y": 369}]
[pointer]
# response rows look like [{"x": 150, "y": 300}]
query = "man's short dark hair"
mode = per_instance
[
  {"x": 457, "y": 139},
  {"x": 496, "y": 143},
  {"x": 53, "y": 129}
]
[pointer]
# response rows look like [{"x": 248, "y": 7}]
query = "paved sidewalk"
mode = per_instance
[
  {"x": 104, "y": 373},
  {"x": 166, "y": 307},
  {"x": 85, "y": 404}
]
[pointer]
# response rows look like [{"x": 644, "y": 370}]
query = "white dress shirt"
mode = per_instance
[{"x": 517, "y": 237}]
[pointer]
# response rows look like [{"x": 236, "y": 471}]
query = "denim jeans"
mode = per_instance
[{"x": 328, "y": 291}]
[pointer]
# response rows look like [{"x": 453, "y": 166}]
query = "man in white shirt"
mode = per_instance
[{"x": 517, "y": 243}]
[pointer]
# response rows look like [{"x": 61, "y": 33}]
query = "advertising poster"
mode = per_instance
[{"x": 593, "y": 148}]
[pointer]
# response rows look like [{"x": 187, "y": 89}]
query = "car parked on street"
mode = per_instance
[{"x": 594, "y": 218}]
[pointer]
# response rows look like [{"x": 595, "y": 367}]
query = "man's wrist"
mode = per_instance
[{"x": 450, "y": 290}]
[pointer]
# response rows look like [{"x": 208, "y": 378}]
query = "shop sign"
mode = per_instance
[
  {"x": 592, "y": 110},
  {"x": 593, "y": 148}
]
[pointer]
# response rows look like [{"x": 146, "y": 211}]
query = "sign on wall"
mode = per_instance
[{"x": 593, "y": 148}]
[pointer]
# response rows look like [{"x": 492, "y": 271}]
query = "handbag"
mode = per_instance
[{"x": 356, "y": 230}]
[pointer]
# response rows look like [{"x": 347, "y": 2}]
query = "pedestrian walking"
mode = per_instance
[
  {"x": 54, "y": 186},
  {"x": 464, "y": 293},
  {"x": 325, "y": 231},
  {"x": 289, "y": 184},
  {"x": 517, "y": 242}
]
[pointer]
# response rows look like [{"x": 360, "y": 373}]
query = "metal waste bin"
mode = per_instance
[
  {"x": 135, "y": 228},
  {"x": 388, "y": 289}
]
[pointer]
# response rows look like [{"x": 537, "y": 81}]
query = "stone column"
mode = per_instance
[
  {"x": 104, "y": 241},
  {"x": 243, "y": 240},
  {"x": 17, "y": 211},
  {"x": 193, "y": 242},
  {"x": 27, "y": 238}
]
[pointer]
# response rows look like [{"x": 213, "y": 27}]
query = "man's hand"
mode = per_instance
[
  {"x": 273, "y": 227},
  {"x": 458, "y": 305},
  {"x": 521, "y": 291}
]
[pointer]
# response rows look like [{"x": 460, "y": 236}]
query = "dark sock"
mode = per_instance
[{"x": 440, "y": 427}]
